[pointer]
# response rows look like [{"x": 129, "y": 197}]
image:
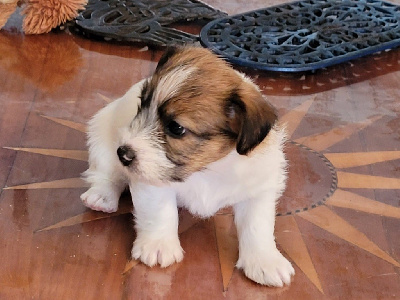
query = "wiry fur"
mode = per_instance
[{"x": 230, "y": 154}]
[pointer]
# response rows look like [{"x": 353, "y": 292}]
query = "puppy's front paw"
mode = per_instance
[
  {"x": 271, "y": 269},
  {"x": 157, "y": 251},
  {"x": 99, "y": 200}
]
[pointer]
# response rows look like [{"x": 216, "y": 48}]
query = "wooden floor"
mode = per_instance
[{"x": 338, "y": 223}]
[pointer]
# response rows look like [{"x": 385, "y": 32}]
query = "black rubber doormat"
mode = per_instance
[
  {"x": 143, "y": 21},
  {"x": 305, "y": 35}
]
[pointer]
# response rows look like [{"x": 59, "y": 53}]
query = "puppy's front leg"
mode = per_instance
[
  {"x": 259, "y": 258},
  {"x": 106, "y": 186},
  {"x": 156, "y": 217}
]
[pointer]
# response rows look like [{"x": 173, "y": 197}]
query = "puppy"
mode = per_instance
[{"x": 199, "y": 135}]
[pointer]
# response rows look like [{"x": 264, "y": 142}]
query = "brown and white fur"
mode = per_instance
[{"x": 199, "y": 135}]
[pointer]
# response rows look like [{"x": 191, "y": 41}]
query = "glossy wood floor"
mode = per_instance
[{"x": 338, "y": 222}]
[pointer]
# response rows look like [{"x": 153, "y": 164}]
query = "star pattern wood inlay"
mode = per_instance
[{"x": 337, "y": 222}]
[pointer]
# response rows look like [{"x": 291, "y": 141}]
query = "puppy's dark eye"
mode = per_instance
[{"x": 175, "y": 129}]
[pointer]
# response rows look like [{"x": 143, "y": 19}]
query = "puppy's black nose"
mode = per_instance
[{"x": 126, "y": 155}]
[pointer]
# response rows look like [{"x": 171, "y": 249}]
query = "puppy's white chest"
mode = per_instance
[
  {"x": 232, "y": 179},
  {"x": 205, "y": 192},
  {"x": 203, "y": 197}
]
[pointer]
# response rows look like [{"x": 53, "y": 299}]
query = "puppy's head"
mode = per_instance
[{"x": 194, "y": 110}]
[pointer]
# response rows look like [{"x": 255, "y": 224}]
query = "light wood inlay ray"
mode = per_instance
[
  {"x": 227, "y": 242},
  {"x": 323, "y": 141},
  {"x": 73, "y": 125},
  {"x": 326, "y": 219},
  {"x": 361, "y": 181},
  {"x": 356, "y": 159},
  {"x": 81, "y": 155},
  {"x": 350, "y": 200},
  {"x": 293, "y": 118},
  {"x": 69, "y": 183},
  {"x": 289, "y": 237}
]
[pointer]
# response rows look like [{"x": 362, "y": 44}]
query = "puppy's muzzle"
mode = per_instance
[{"x": 126, "y": 155}]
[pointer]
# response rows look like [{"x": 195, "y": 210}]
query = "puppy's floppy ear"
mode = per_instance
[
  {"x": 250, "y": 117},
  {"x": 171, "y": 51}
]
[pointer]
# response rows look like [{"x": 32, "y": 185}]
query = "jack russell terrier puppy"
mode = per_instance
[{"x": 199, "y": 135}]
